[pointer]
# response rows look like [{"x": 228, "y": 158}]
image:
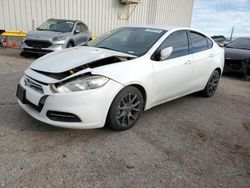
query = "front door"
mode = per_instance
[{"x": 173, "y": 76}]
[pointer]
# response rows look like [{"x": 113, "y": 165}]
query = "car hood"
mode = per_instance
[
  {"x": 40, "y": 35},
  {"x": 236, "y": 54},
  {"x": 68, "y": 59}
]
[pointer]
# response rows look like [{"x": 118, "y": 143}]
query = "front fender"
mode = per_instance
[{"x": 138, "y": 71}]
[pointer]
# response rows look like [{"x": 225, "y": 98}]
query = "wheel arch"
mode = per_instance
[
  {"x": 218, "y": 69},
  {"x": 143, "y": 92},
  {"x": 71, "y": 41},
  {"x": 109, "y": 119}
]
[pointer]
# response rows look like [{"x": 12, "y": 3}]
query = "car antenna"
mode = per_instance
[{"x": 231, "y": 37}]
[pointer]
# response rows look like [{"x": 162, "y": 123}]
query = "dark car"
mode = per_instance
[
  {"x": 1, "y": 38},
  {"x": 237, "y": 57},
  {"x": 220, "y": 40}
]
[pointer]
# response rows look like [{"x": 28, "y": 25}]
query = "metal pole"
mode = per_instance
[{"x": 232, "y": 33}]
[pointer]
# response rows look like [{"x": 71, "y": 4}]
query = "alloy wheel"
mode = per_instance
[
  {"x": 128, "y": 109},
  {"x": 213, "y": 83}
]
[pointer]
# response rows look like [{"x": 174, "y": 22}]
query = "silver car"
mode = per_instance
[{"x": 55, "y": 34}]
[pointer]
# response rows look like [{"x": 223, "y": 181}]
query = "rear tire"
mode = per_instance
[
  {"x": 212, "y": 84},
  {"x": 125, "y": 109}
]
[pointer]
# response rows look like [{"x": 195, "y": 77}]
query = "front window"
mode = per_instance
[
  {"x": 57, "y": 25},
  {"x": 131, "y": 40},
  {"x": 179, "y": 42},
  {"x": 241, "y": 43}
]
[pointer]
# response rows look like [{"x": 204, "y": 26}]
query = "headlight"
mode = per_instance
[
  {"x": 80, "y": 84},
  {"x": 59, "y": 38}
]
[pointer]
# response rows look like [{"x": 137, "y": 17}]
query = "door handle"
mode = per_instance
[
  {"x": 211, "y": 55},
  {"x": 188, "y": 62}
]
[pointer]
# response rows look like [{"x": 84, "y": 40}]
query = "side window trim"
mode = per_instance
[
  {"x": 189, "y": 42},
  {"x": 208, "y": 44}
]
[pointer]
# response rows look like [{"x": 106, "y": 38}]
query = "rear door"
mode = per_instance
[
  {"x": 203, "y": 57},
  {"x": 173, "y": 77}
]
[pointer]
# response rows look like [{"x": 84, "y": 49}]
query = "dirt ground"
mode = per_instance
[{"x": 189, "y": 142}]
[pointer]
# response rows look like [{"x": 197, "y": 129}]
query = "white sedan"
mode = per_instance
[{"x": 115, "y": 77}]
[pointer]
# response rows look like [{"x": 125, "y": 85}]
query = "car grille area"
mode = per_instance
[
  {"x": 32, "y": 84},
  {"x": 38, "y": 43},
  {"x": 36, "y": 51},
  {"x": 62, "y": 116},
  {"x": 35, "y": 107},
  {"x": 20, "y": 93}
]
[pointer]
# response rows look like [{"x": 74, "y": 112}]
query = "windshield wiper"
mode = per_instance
[
  {"x": 51, "y": 30},
  {"x": 57, "y": 31},
  {"x": 103, "y": 47},
  {"x": 42, "y": 29}
]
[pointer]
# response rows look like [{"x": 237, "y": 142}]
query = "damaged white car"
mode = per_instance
[{"x": 112, "y": 79}]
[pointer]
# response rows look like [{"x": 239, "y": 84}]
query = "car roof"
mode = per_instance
[
  {"x": 67, "y": 20},
  {"x": 167, "y": 28}
]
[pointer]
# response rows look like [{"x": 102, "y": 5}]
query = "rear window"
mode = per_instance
[{"x": 199, "y": 42}]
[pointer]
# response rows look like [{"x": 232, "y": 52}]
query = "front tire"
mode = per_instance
[
  {"x": 212, "y": 84},
  {"x": 70, "y": 45},
  {"x": 25, "y": 54},
  {"x": 125, "y": 109}
]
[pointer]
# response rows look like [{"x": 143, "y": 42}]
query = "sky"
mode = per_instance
[{"x": 217, "y": 17}]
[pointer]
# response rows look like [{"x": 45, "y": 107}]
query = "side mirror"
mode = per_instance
[
  {"x": 165, "y": 53},
  {"x": 77, "y": 31}
]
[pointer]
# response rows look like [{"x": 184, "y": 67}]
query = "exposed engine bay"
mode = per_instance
[{"x": 94, "y": 64}]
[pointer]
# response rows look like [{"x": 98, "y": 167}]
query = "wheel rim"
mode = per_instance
[
  {"x": 128, "y": 109},
  {"x": 213, "y": 83}
]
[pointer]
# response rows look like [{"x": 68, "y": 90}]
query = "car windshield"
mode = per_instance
[
  {"x": 131, "y": 40},
  {"x": 57, "y": 25},
  {"x": 241, "y": 43}
]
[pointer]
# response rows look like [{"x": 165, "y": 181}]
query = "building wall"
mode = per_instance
[{"x": 99, "y": 15}]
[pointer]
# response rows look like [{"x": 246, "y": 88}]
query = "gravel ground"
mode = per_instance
[{"x": 189, "y": 142}]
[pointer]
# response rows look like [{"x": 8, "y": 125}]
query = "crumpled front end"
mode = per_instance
[{"x": 79, "y": 109}]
